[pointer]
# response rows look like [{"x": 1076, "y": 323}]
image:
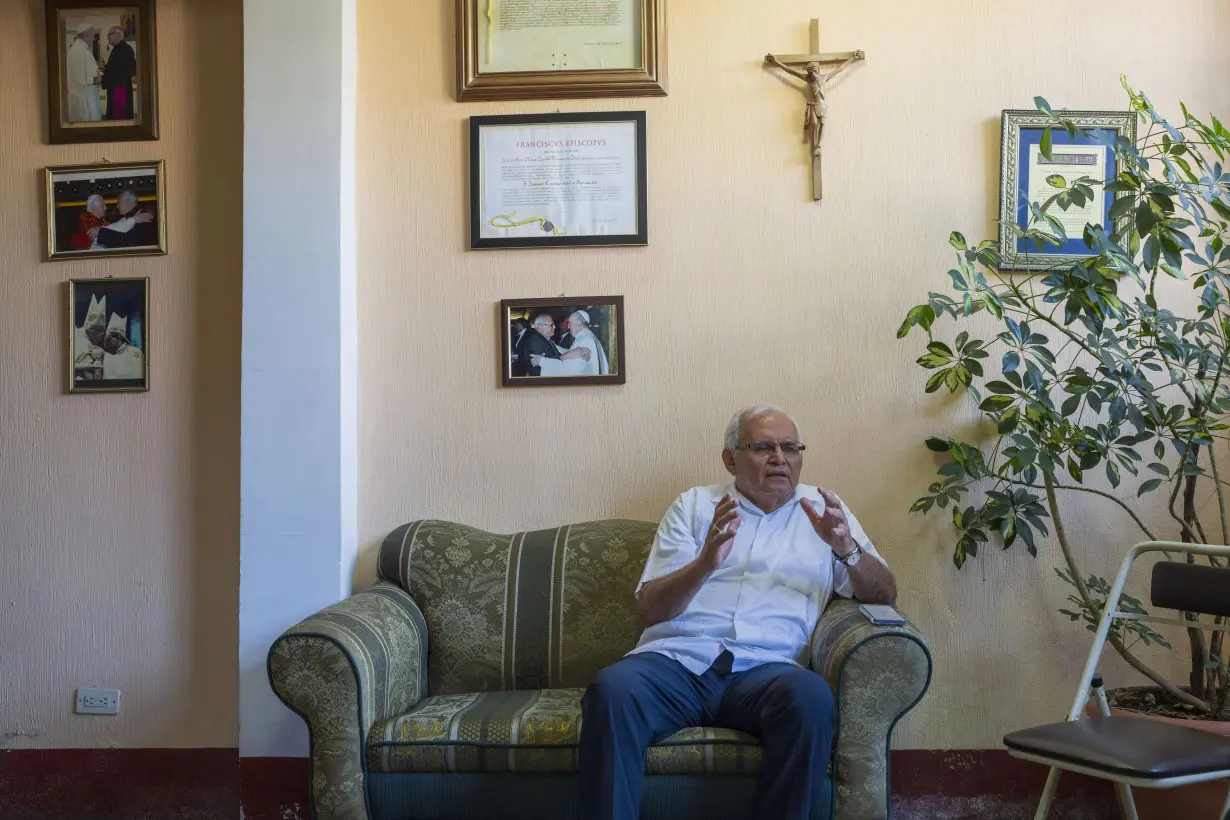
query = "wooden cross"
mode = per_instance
[{"x": 815, "y": 83}]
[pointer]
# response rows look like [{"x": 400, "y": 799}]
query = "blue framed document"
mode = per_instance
[{"x": 1027, "y": 175}]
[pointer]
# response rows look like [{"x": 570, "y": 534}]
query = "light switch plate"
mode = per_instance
[{"x": 98, "y": 701}]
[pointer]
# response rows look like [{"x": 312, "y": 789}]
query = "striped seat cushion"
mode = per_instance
[{"x": 535, "y": 731}]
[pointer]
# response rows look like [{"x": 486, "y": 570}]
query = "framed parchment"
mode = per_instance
[
  {"x": 552, "y": 49},
  {"x": 558, "y": 180}
]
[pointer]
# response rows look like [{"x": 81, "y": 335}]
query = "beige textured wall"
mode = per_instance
[
  {"x": 748, "y": 292},
  {"x": 119, "y": 515}
]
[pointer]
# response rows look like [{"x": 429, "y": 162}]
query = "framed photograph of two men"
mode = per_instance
[
  {"x": 106, "y": 209},
  {"x": 562, "y": 340},
  {"x": 550, "y": 49},
  {"x": 102, "y": 76}
]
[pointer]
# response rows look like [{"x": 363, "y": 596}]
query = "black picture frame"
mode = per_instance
[{"x": 554, "y": 239}]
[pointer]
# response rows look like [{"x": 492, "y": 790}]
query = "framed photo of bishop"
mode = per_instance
[{"x": 108, "y": 335}]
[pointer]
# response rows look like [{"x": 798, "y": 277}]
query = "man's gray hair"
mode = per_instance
[
  {"x": 731, "y": 441},
  {"x": 89, "y": 199},
  {"x": 543, "y": 317},
  {"x": 127, "y": 194}
]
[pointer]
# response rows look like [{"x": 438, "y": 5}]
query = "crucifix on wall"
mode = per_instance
[{"x": 808, "y": 68}]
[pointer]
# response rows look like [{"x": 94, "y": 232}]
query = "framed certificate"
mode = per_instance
[
  {"x": 550, "y": 49},
  {"x": 1026, "y": 176},
  {"x": 558, "y": 180}
]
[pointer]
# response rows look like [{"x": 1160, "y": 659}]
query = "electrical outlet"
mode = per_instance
[{"x": 98, "y": 701}]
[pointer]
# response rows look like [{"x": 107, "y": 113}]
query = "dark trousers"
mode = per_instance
[{"x": 646, "y": 697}]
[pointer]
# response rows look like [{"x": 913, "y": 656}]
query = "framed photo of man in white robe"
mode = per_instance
[
  {"x": 562, "y": 341},
  {"x": 108, "y": 335},
  {"x": 102, "y": 81}
]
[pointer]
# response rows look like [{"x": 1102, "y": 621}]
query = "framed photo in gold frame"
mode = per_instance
[
  {"x": 106, "y": 209},
  {"x": 102, "y": 71},
  {"x": 108, "y": 335},
  {"x": 555, "y": 49}
]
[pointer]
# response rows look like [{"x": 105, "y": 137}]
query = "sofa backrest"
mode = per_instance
[{"x": 532, "y": 610}]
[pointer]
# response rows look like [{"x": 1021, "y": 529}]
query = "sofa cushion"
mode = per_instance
[
  {"x": 532, "y": 610},
  {"x": 533, "y": 731}
]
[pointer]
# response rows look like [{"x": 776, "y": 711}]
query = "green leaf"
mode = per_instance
[
  {"x": 937, "y": 379},
  {"x": 1012, "y": 361},
  {"x": 1000, "y": 388},
  {"x": 957, "y": 241},
  {"x": 1043, "y": 105},
  {"x": 1122, "y": 207},
  {"x": 939, "y": 445},
  {"x": 932, "y": 361},
  {"x": 1112, "y": 473},
  {"x": 1056, "y": 181},
  {"x": 1045, "y": 146},
  {"x": 1009, "y": 420},
  {"x": 1148, "y": 486},
  {"x": 1153, "y": 252},
  {"x": 994, "y": 404},
  {"x": 1008, "y": 530},
  {"x": 921, "y": 315}
]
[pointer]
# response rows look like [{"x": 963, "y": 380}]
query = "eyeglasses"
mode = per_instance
[{"x": 766, "y": 448}]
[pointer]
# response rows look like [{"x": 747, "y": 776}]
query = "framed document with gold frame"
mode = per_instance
[{"x": 555, "y": 49}]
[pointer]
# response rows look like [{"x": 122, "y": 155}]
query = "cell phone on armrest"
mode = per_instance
[{"x": 881, "y": 614}]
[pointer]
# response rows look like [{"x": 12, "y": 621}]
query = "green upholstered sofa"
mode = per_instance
[{"x": 452, "y": 688}]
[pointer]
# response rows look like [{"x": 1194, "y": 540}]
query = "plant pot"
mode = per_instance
[{"x": 1199, "y": 801}]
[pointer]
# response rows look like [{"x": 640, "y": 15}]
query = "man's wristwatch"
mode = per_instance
[{"x": 850, "y": 559}]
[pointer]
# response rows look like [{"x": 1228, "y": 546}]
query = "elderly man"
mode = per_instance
[
  {"x": 537, "y": 348},
  {"x": 82, "y": 77},
  {"x": 117, "y": 76},
  {"x": 133, "y": 229},
  {"x": 736, "y": 580}
]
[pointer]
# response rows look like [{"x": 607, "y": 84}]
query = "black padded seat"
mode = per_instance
[{"x": 1126, "y": 746}]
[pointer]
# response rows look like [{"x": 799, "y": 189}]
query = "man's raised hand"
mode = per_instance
[
  {"x": 721, "y": 535},
  {"x": 832, "y": 526}
]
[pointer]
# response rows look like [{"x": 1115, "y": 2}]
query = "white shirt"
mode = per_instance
[{"x": 763, "y": 602}]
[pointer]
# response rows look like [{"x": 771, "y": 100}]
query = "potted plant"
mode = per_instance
[{"x": 1099, "y": 386}]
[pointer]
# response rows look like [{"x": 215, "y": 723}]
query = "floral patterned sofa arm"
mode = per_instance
[
  {"x": 349, "y": 665},
  {"x": 878, "y": 674}
]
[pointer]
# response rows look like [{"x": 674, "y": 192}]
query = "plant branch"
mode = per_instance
[{"x": 1091, "y": 491}]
